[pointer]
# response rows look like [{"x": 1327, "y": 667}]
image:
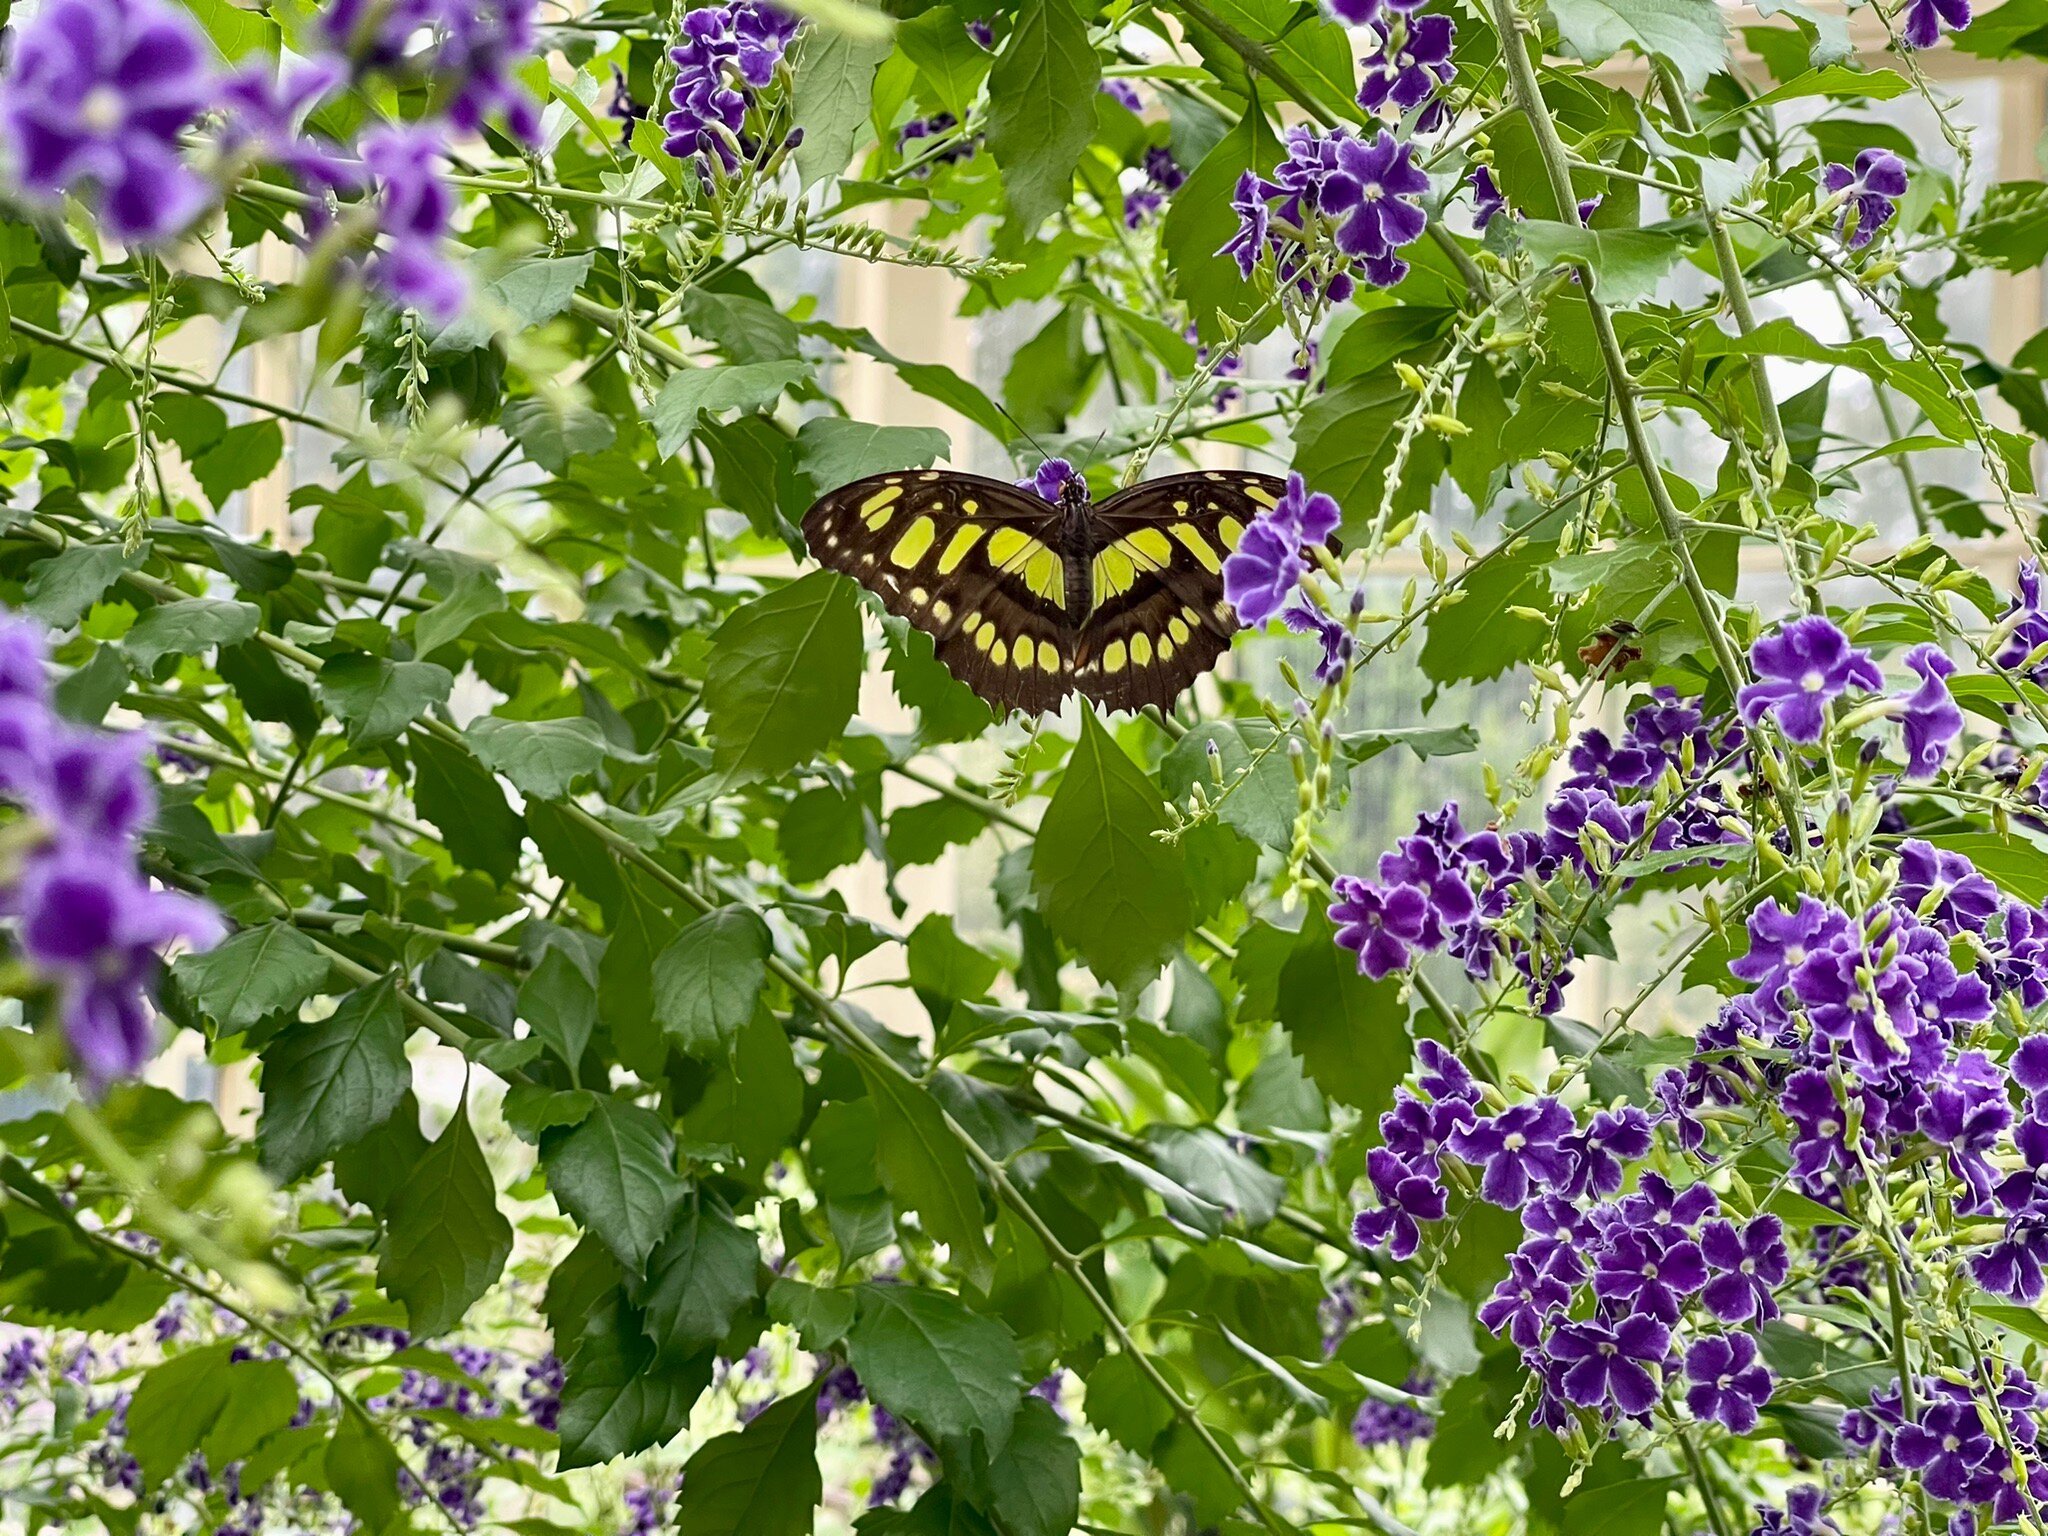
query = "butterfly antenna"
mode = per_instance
[{"x": 1036, "y": 445}]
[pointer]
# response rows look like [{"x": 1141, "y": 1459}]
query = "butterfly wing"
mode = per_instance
[
  {"x": 1159, "y": 619},
  {"x": 972, "y": 562}
]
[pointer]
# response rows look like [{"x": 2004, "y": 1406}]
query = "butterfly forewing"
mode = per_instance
[
  {"x": 1159, "y": 619},
  {"x": 971, "y": 561}
]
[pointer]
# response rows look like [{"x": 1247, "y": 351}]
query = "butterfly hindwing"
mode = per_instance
[
  {"x": 971, "y": 561},
  {"x": 1159, "y": 619}
]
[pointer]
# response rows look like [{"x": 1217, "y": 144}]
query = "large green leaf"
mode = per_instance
[
  {"x": 260, "y": 971},
  {"x": 830, "y": 451},
  {"x": 1037, "y": 1479},
  {"x": 1353, "y": 1033},
  {"x": 1627, "y": 264},
  {"x": 377, "y": 699},
  {"x": 363, "y": 1471},
  {"x": 690, "y": 392},
  {"x": 783, "y": 676},
  {"x": 762, "y": 1480},
  {"x": 697, "y": 1281},
  {"x": 445, "y": 1240},
  {"x": 925, "y": 1170},
  {"x": 615, "y": 1400},
  {"x": 188, "y": 627},
  {"x": 832, "y": 83},
  {"x": 1105, "y": 884},
  {"x": 709, "y": 979},
  {"x": 455, "y": 792},
  {"x": 332, "y": 1082},
  {"x": 950, "y": 1372},
  {"x": 543, "y": 758},
  {"x": 204, "y": 1398},
  {"x": 1690, "y": 35},
  {"x": 1041, "y": 95},
  {"x": 615, "y": 1173}
]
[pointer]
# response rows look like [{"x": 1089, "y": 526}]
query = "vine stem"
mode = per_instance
[
  {"x": 1697, "y": 1464},
  {"x": 1528, "y": 95}
]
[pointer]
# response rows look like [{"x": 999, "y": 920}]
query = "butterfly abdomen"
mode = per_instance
[{"x": 1080, "y": 584}]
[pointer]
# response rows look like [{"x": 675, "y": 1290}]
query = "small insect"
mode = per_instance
[
  {"x": 1612, "y": 649},
  {"x": 1026, "y": 601}
]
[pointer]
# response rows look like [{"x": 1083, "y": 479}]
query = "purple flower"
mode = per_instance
[
  {"x": 1487, "y": 201},
  {"x": 1263, "y": 571},
  {"x": 1382, "y": 924},
  {"x": 1603, "y": 1364},
  {"x": 1413, "y": 63},
  {"x": 1254, "y": 223},
  {"x": 1801, "y": 1515},
  {"x": 1922, "y": 20},
  {"x": 1612, "y": 1138},
  {"x": 474, "y": 49},
  {"x": 1801, "y": 669},
  {"x": 1524, "y": 1303},
  {"x": 93, "y": 100},
  {"x": 1363, "y": 13},
  {"x": 1305, "y": 619},
  {"x": 2027, "y": 618},
  {"x": 1124, "y": 94},
  {"x": 94, "y": 926},
  {"x": 414, "y": 212},
  {"x": 1868, "y": 192},
  {"x": 1056, "y": 481},
  {"x": 1943, "y": 888},
  {"x": 1642, "y": 1271},
  {"x": 1747, "y": 1263},
  {"x": 724, "y": 49},
  {"x": 1820, "y": 1126},
  {"x": 1376, "y": 196},
  {"x": 1729, "y": 1386},
  {"x": 1161, "y": 169},
  {"x": 1384, "y": 1423},
  {"x": 1408, "y": 1196},
  {"x": 1931, "y": 719},
  {"x": 982, "y": 33},
  {"x": 1523, "y": 1147}
]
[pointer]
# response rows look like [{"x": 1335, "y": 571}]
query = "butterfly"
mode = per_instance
[{"x": 1028, "y": 601}]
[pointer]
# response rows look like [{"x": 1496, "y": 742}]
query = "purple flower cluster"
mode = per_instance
[
  {"x": 1163, "y": 178},
  {"x": 93, "y": 99},
  {"x": 1397, "y": 1424},
  {"x": 1263, "y": 571},
  {"x": 1956, "y": 1443},
  {"x": 728, "y": 52},
  {"x": 1869, "y": 194},
  {"x": 87, "y": 920},
  {"x": 1411, "y": 68},
  {"x": 1443, "y": 888},
  {"x": 1361, "y": 197},
  {"x": 1363, "y": 13}
]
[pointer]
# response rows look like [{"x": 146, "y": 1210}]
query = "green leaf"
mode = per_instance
[
  {"x": 616, "y": 1401},
  {"x": 363, "y": 1470},
  {"x": 332, "y": 1082},
  {"x": 949, "y": 1372},
  {"x": 1124, "y": 1405},
  {"x": 762, "y": 1480},
  {"x": 555, "y": 431},
  {"x": 1835, "y": 80},
  {"x": 690, "y": 392},
  {"x": 1041, "y": 94},
  {"x": 708, "y": 981},
  {"x": 1105, "y": 884},
  {"x": 457, "y": 795},
  {"x": 697, "y": 1281},
  {"x": 238, "y": 458},
  {"x": 203, "y": 1397},
  {"x": 1627, "y": 264},
  {"x": 1037, "y": 1479},
  {"x": 560, "y": 1003},
  {"x": 831, "y": 86},
  {"x": 1352, "y": 1032},
  {"x": 543, "y": 758},
  {"x": 529, "y": 293},
  {"x": 952, "y": 63},
  {"x": 1690, "y": 35},
  {"x": 61, "y": 588},
  {"x": 831, "y": 451},
  {"x": 187, "y": 627},
  {"x": 260, "y": 971},
  {"x": 615, "y": 1173},
  {"x": 783, "y": 676},
  {"x": 377, "y": 699},
  {"x": 445, "y": 1240},
  {"x": 925, "y": 1170},
  {"x": 1199, "y": 223},
  {"x": 820, "y": 1314},
  {"x": 1255, "y": 794}
]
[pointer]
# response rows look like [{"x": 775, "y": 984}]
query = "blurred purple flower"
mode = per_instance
[
  {"x": 415, "y": 206},
  {"x": 1932, "y": 721},
  {"x": 92, "y": 101}
]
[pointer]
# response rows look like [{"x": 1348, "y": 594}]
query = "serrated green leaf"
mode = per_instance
[
  {"x": 1690, "y": 35},
  {"x": 1105, "y": 884},
  {"x": 762, "y": 1480},
  {"x": 950, "y": 1372},
  {"x": 377, "y": 699},
  {"x": 258, "y": 972},
  {"x": 832, "y": 82},
  {"x": 332, "y": 1082},
  {"x": 708, "y": 980},
  {"x": 543, "y": 758},
  {"x": 615, "y": 1173},
  {"x": 783, "y": 677},
  {"x": 699, "y": 1278},
  {"x": 1041, "y": 93},
  {"x": 188, "y": 627},
  {"x": 445, "y": 1240}
]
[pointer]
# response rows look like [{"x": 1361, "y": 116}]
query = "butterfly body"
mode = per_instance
[{"x": 1028, "y": 601}]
